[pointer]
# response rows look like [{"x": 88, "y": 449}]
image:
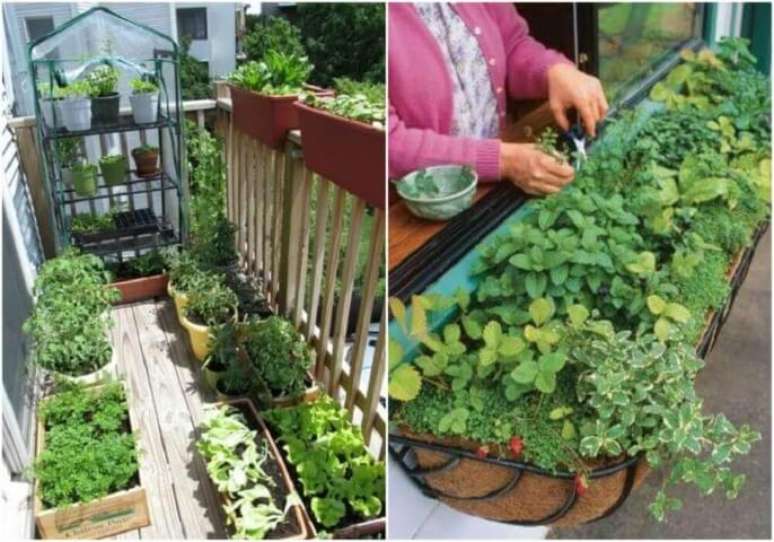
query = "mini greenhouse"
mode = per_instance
[{"x": 108, "y": 92}]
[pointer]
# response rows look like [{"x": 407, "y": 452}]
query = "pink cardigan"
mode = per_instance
[{"x": 421, "y": 87}]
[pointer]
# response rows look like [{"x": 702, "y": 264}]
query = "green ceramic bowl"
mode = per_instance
[{"x": 438, "y": 192}]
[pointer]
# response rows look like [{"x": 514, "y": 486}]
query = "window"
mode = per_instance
[
  {"x": 37, "y": 27},
  {"x": 635, "y": 36},
  {"x": 192, "y": 23}
]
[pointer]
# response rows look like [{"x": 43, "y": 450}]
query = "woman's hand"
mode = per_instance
[
  {"x": 532, "y": 170},
  {"x": 569, "y": 88}
]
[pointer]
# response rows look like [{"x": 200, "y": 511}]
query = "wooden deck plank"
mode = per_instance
[
  {"x": 154, "y": 469},
  {"x": 198, "y": 505}
]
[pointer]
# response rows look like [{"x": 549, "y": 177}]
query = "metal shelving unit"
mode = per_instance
[{"x": 148, "y": 211}]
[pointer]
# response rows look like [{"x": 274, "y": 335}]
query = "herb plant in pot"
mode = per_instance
[
  {"x": 105, "y": 100},
  {"x": 146, "y": 158},
  {"x": 85, "y": 179},
  {"x": 237, "y": 380},
  {"x": 141, "y": 278},
  {"x": 75, "y": 106},
  {"x": 113, "y": 167},
  {"x": 84, "y": 224},
  {"x": 350, "y": 125},
  {"x": 263, "y": 93},
  {"x": 210, "y": 303},
  {"x": 144, "y": 100},
  {"x": 184, "y": 274},
  {"x": 281, "y": 358},
  {"x": 69, "y": 151},
  {"x": 223, "y": 347}
]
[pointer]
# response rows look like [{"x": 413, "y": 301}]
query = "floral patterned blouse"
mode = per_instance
[{"x": 475, "y": 104}]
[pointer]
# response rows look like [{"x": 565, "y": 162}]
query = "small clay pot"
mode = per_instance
[{"x": 147, "y": 161}]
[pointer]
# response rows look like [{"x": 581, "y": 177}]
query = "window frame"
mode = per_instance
[
  {"x": 30, "y": 18},
  {"x": 192, "y": 11}
]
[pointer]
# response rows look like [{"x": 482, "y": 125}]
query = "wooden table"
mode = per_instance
[{"x": 407, "y": 232}]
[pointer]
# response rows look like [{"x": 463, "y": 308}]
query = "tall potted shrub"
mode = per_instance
[
  {"x": 144, "y": 100},
  {"x": 105, "y": 100},
  {"x": 262, "y": 95},
  {"x": 344, "y": 138}
]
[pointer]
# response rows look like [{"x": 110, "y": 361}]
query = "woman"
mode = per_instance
[{"x": 451, "y": 67}]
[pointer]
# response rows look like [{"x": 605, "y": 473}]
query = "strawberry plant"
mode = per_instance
[{"x": 576, "y": 346}]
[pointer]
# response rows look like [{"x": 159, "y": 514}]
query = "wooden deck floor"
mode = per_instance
[{"x": 167, "y": 404}]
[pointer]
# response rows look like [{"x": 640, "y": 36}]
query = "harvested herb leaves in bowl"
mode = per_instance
[{"x": 438, "y": 192}]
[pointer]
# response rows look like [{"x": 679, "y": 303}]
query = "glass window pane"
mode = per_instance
[
  {"x": 38, "y": 27},
  {"x": 635, "y": 36},
  {"x": 192, "y": 22}
]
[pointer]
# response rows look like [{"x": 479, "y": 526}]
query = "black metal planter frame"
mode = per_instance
[{"x": 403, "y": 448}]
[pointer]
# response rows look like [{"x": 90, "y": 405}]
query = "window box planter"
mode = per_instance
[
  {"x": 295, "y": 526},
  {"x": 347, "y": 152},
  {"x": 142, "y": 288},
  {"x": 116, "y": 513}
]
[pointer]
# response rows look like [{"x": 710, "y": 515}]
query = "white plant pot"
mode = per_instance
[
  {"x": 75, "y": 113},
  {"x": 145, "y": 107},
  {"x": 100, "y": 376},
  {"x": 67, "y": 176},
  {"x": 47, "y": 108}
]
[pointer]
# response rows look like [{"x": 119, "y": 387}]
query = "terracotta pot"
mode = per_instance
[
  {"x": 348, "y": 153},
  {"x": 147, "y": 161},
  {"x": 141, "y": 288},
  {"x": 263, "y": 117},
  {"x": 535, "y": 496}
]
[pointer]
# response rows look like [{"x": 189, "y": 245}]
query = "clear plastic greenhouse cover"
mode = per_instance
[{"x": 99, "y": 34}]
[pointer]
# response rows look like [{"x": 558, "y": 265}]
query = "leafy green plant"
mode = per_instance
[
  {"x": 102, "y": 81},
  {"x": 89, "y": 452},
  {"x": 338, "y": 475},
  {"x": 210, "y": 301},
  {"x": 142, "y": 85},
  {"x": 279, "y": 353},
  {"x": 277, "y": 73},
  {"x": 86, "y": 223},
  {"x": 356, "y": 107},
  {"x": 68, "y": 150},
  {"x": 270, "y": 33},
  {"x": 77, "y": 89},
  {"x": 236, "y": 459},
  {"x": 194, "y": 74}
]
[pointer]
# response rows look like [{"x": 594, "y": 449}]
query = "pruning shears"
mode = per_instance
[{"x": 577, "y": 136}]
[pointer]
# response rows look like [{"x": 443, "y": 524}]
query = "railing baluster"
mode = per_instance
[
  {"x": 258, "y": 203},
  {"x": 250, "y": 151},
  {"x": 323, "y": 204},
  {"x": 303, "y": 254},
  {"x": 279, "y": 177},
  {"x": 375, "y": 380}
]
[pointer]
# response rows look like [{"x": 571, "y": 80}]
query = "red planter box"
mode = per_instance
[
  {"x": 263, "y": 117},
  {"x": 348, "y": 153},
  {"x": 142, "y": 288}
]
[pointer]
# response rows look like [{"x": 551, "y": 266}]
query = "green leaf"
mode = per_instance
[
  {"x": 559, "y": 274},
  {"x": 399, "y": 312},
  {"x": 395, "y": 353},
  {"x": 472, "y": 327},
  {"x": 511, "y": 346},
  {"x": 405, "y": 383},
  {"x": 536, "y": 284},
  {"x": 662, "y": 329},
  {"x": 552, "y": 363},
  {"x": 705, "y": 190},
  {"x": 645, "y": 263},
  {"x": 462, "y": 298},
  {"x": 487, "y": 356},
  {"x": 560, "y": 412},
  {"x": 418, "y": 316},
  {"x": 451, "y": 333},
  {"x": 432, "y": 366},
  {"x": 568, "y": 430},
  {"x": 525, "y": 373},
  {"x": 545, "y": 382},
  {"x": 492, "y": 334},
  {"x": 521, "y": 261},
  {"x": 677, "y": 312},
  {"x": 578, "y": 314},
  {"x": 542, "y": 310},
  {"x": 656, "y": 305}
]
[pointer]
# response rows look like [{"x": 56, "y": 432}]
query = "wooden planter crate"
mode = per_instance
[{"x": 113, "y": 514}]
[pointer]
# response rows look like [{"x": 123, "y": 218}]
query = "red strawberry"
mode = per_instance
[
  {"x": 482, "y": 452},
  {"x": 517, "y": 445},
  {"x": 581, "y": 484}
]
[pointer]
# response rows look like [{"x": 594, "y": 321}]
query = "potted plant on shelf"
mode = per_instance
[
  {"x": 85, "y": 179},
  {"x": 210, "y": 302},
  {"x": 75, "y": 106},
  {"x": 263, "y": 92},
  {"x": 350, "y": 125},
  {"x": 342, "y": 484},
  {"x": 49, "y": 98},
  {"x": 70, "y": 319},
  {"x": 144, "y": 100},
  {"x": 68, "y": 150},
  {"x": 87, "y": 430},
  {"x": 223, "y": 348},
  {"x": 140, "y": 278},
  {"x": 85, "y": 224},
  {"x": 246, "y": 467},
  {"x": 105, "y": 101},
  {"x": 146, "y": 158},
  {"x": 281, "y": 358},
  {"x": 113, "y": 167}
]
